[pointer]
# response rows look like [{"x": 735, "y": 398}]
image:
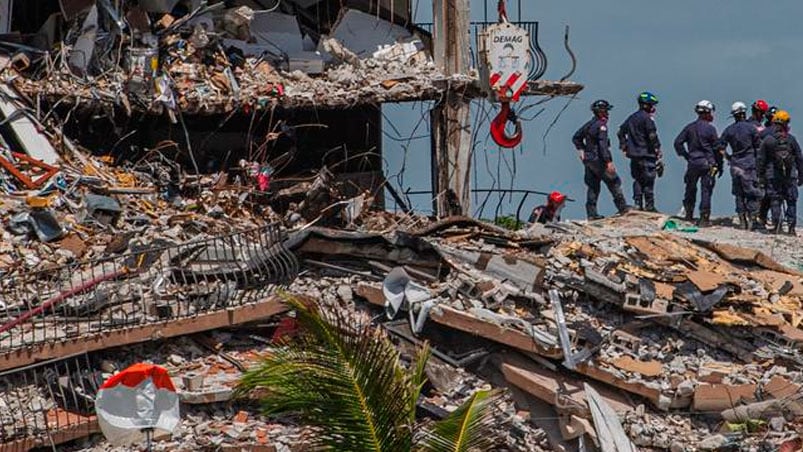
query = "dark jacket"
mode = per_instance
[
  {"x": 743, "y": 138},
  {"x": 640, "y": 136},
  {"x": 592, "y": 139},
  {"x": 767, "y": 162},
  {"x": 545, "y": 214},
  {"x": 699, "y": 141}
]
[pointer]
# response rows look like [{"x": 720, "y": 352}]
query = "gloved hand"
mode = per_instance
[
  {"x": 659, "y": 168},
  {"x": 712, "y": 170},
  {"x": 720, "y": 170}
]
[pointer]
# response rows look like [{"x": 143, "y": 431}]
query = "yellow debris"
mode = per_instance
[{"x": 728, "y": 318}]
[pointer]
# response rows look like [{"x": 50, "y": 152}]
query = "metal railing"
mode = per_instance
[
  {"x": 152, "y": 283},
  {"x": 504, "y": 196},
  {"x": 45, "y": 401}
]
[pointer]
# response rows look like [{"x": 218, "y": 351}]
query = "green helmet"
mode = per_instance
[{"x": 647, "y": 98}]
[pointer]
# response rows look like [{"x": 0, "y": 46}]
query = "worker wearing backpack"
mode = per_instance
[{"x": 780, "y": 170}]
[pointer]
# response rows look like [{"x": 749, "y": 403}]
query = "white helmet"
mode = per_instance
[
  {"x": 738, "y": 108},
  {"x": 704, "y": 106}
]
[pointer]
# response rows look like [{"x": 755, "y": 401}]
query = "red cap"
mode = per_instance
[
  {"x": 557, "y": 197},
  {"x": 761, "y": 105}
]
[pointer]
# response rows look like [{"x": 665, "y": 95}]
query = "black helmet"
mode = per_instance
[{"x": 601, "y": 105}]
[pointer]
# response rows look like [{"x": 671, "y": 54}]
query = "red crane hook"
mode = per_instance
[{"x": 498, "y": 124}]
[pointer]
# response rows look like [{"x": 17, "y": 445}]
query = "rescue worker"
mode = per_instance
[
  {"x": 638, "y": 139},
  {"x": 768, "y": 120},
  {"x": 769, "y": 129},
  {"x": 780, "y": 169},
  {"x": 697, "y": 144},
  {"x": 550, "y": 212},
  {"x": 594, "y": 150},
  {"x": 759, "y": 109},
  {"x": 742, "y": 137}
]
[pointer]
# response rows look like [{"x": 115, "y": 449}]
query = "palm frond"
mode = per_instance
[
  {"x": 342, "y": 378},
  {"x": 418, "y": 377},
  {"x": 468, "y": 428}
]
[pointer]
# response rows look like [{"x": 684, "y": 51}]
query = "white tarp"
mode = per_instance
[{"x": 138, "y": 400}]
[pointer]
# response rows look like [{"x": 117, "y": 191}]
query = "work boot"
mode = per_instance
[
  {"x": 623, "y": 209},
  {"x": 743, "y": 221},
  {"x": 689, "y": 213},
  {"x": 651, "y": 208},
  {"x": 758, "y": 225},
  {"x": 592, "y": 214},
  {"x": 705, "y": 220}
]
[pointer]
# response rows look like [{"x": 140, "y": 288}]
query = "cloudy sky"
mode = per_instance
[{"x": 682, "y": 51}]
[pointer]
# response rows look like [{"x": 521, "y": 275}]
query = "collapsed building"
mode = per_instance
[{"x": 167, "y": 165}]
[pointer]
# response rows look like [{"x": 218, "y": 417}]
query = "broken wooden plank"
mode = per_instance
[
  {"x": 645, "y": 368},
  {"x": 706, "y": 281},
  {"x": 610, "y": 432},
  {"x": 718, "y": 397}
]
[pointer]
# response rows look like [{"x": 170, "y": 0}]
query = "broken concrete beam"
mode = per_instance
[
  {"x": 746, "y": 256},
  {"x": 524, "y": 274},
  {"x": 638, "y": 388},
  {"x": 558, "y": 389},
  {"x": 732, "y": 345},
  {"x": 468, "y": 323},
  {"x": 768, "y": 409}
]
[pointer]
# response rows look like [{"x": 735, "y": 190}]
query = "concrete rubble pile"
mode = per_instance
[
  {"x": 140, "y": 58},
  {"x": 694, "y": 342}
]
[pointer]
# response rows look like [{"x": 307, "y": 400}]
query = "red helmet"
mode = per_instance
[
  {"x": 761, "y": 105},
  {"x": 557, "y": 197}
]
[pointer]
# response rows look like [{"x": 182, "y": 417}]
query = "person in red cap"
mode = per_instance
[
  {"x": 759, "y": 111},
  {"x": 550, "y": 212}
]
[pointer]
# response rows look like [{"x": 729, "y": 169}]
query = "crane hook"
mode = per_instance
[{"x": 498, "y": 124}]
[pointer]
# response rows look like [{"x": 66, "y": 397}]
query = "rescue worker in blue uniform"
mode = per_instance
[
  {"x": 768, "y": 129},
  {"x": 780, "y": 169},
  {"x": 743, "y": 138},
  {"x": 638, "y": 139},
  {"x": 697, "y": 143},
  {"x": 594, "y": 149}
]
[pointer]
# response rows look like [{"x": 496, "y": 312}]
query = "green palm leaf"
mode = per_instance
[
  {"x": 468, "y": 428},
  {"x": 342, "y": 378}
]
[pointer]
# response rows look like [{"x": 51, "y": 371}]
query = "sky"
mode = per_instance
[{"x": 682, "y": 51}]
